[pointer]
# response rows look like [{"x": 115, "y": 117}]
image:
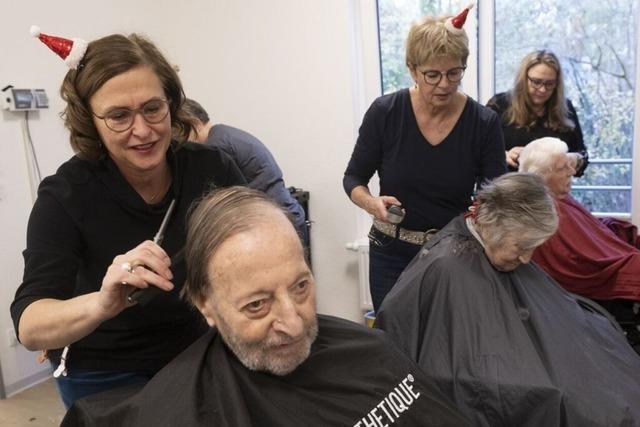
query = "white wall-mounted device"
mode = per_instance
[{"x": 24, "y": 99}]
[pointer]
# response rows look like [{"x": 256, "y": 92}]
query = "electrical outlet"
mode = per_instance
[{"x": 12, "y": 339}]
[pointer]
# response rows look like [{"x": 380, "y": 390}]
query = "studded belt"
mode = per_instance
[{"x": 409, "y": 236}]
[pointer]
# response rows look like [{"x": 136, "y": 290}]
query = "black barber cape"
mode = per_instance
[
  {"x": 511, "y": 349},
  {"x": 353, "y": 377}
]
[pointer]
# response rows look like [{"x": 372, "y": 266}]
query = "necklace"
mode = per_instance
[
  {"x": 163, "y": 189},
  {"x": 153, "y": 198}
]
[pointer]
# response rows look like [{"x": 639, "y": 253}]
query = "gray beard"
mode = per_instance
[{"x": 260, "y": 356}]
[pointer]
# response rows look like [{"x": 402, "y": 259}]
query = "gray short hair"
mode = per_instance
[
  {"x": 516, "y": 204},
  {"x": 220, "y": 215},
  {"x": 537, "y": 156}
]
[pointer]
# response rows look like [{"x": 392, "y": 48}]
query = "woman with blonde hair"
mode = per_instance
[
  {"x": 536, "y": 107},
  {"x": 430, "y": 144}
]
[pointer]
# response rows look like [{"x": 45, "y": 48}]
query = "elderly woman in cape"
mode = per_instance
[
  {"x": 497, "y": 334},
  {"x": 584, "y": 256}
]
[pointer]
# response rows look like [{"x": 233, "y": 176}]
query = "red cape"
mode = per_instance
[{"x": 587, "y": 258}]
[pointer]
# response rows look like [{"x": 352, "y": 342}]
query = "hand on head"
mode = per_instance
[{"x": 513, "y": 155}]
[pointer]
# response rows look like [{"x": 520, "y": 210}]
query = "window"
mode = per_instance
[
  {"x": 394, "y": 20},
  {"x": 596, "y": 42}
]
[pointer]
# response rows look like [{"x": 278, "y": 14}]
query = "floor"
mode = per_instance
[{"x": 38, "y": 406}]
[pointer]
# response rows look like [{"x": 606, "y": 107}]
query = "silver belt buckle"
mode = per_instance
[{"x": 429, "y": 234}]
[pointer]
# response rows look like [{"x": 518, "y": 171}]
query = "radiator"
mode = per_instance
[{"x": 361, "y": 246}]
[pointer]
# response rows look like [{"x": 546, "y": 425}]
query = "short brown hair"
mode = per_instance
[
  {"x": 106, "y": 58},
  {"x": 220, "y": 215},
  {"x": 429, "y": 38}
]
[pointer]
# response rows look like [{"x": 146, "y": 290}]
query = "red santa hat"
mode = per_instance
[
  {"x": 455, "y": 23},
  {"x": 72, "y": 51}
]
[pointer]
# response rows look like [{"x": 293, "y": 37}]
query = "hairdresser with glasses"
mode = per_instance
[
  {"x": 430, "y": 144},
  {"x": 536, "y": 107},
  {"x": 89, "y": 238}
]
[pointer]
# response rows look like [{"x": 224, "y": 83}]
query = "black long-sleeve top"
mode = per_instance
[
  {"x": 85, "y": 215},
  {"x": 520, "y": 136},
  {"x": 433, "y": 183}
]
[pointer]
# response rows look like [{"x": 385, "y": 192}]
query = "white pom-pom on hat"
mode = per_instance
[
  {"x": 35, "y": 31},
  {"x": 77, "y": 53},
  {"x": 455, "y": 23}
]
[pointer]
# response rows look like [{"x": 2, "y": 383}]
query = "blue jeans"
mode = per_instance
[
  {"x": 79, "y": 384},
  {"x": 388, "y": 258}
]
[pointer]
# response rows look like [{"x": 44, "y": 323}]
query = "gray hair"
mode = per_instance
[
  {"x": 220, "y": 215},
  {"x": 516, "y": 204},
  {"x": 537, "y": 156}
]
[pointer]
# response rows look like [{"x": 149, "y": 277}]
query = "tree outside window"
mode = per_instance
[{"x": 394, "y": 20}]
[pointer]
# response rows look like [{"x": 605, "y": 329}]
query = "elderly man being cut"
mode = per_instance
[{"x": 269, "y": 359}]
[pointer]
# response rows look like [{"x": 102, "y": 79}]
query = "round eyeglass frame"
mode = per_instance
[
  {"x": 443, "y": 73},
  {"x": 135, "y": 111},
  {"x": 539, "y": 83}
]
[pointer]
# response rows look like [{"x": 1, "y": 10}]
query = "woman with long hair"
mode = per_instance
[{"x": 536, "y": 107}]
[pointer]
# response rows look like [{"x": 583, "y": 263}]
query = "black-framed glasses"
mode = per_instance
[
  {"x": 121, "y": 119},
  {"x": 538, "y": 83},
  {"x": 433, "y": 77}
]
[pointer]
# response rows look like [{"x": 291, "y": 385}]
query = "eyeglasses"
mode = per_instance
[
  {"x": 566, "y": 167},
  {"x": 433, "y": 77},
  {"x": 121, "y": 119},
  {"x": 538, "y": 83}
]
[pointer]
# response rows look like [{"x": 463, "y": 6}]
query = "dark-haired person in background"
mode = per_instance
[
  {"x": 89, "y": 235},
  {"x": 536, "y": 107},
  {"x": 254, "y": 159}
]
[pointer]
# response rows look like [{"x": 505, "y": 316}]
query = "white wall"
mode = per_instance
[{"x": 284, "y": 70}]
